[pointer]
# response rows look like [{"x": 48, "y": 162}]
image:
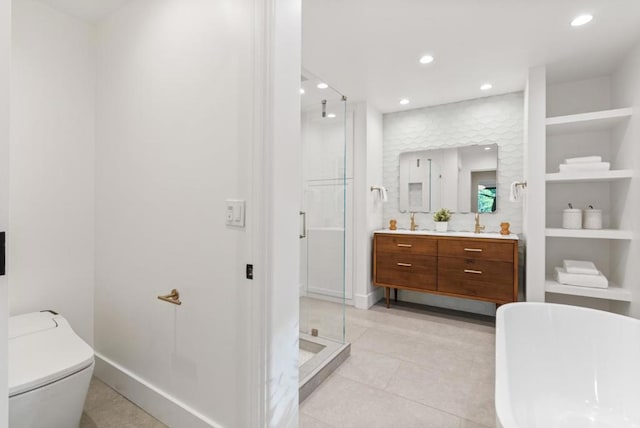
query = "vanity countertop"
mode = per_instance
[{"x": 486, "y": 235}]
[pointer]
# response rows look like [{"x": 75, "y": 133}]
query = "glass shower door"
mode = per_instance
[{"x": 324, "y": 190}]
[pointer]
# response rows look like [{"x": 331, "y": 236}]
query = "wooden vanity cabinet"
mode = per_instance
[
  {"x": 475, "y": 268},
  {"x": 406, "y": 261}
]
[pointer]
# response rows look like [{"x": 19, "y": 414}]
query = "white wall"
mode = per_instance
[
  {"x": 534, "y": 221},
  {"x": 5, "y": 61},
  {"x": 175, "y": 119},
  {"x": 52, "y": 165},
  {"x": 281, "y": 205},
  {"x": 625, "y": 92},
  {"x": 579, "y": 96},
  {"x": 368, "y": 209},
  {"x": 499, "y": 120}
]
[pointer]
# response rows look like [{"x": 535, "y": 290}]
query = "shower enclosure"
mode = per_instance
[{"x": 327, "y": 134}]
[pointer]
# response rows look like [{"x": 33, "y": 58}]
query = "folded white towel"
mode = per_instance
[
  {"x": 580, "y": 267},
  {"x": 584, "y": 159},
  {"x": 583, "y": 167},
  {"x": 592, "y": 281}
]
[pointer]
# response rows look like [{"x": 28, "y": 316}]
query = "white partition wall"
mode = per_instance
[
  {"x": 534, "y": 155},
  {"x": 368, "y": 206},
  {"x": 135, "y": 122},
  {"x": 5, "y": 61},
  {"x": 175, "y": 138}
]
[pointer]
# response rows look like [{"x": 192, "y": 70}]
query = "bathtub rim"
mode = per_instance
[{"x": 504, "y": 413}]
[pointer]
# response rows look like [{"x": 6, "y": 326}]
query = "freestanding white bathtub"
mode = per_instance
[{"x": 561, "y": 366}]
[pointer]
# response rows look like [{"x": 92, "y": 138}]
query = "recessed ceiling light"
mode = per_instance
[
  {"x": 426, "y": 59},
  {"x": 331, "y": 115},
  {"x": 486, "y": 87},
  {"x": 581, "y": 20},
  {"x": 404, "y": 101},
  {"x": 322, "y": 85},
  {"x": 301, "y": 91},
  {"x": 487, "y": 148}
]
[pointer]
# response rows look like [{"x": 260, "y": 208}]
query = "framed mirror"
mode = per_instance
[{"x": 462, "y": 179}]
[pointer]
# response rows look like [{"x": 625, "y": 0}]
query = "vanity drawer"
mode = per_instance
[
  {"x": 491, "y": 280},
  {"x": 406, "y": 270},
  {"x": 476, "y": 249},
  {"x": 403, "y": 244}
]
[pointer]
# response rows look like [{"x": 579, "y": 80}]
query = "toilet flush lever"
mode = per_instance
[{"x": 173, "y": 297}]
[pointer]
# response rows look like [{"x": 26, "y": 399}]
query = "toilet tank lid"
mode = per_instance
[{"x": 43, "y": 349}]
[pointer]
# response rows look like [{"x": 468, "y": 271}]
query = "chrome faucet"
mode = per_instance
[
  {"x": 478, "y": 228},
  {"x": 413, "y": 225}
]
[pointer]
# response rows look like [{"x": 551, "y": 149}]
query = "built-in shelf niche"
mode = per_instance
[
  {"x": 589, "y": 176},
  {"x": 587, "y": 122},
  {"x": 589, "y": 233},
  {"x": 614, "y": 292},
  {"x": 573, "y": 135}
]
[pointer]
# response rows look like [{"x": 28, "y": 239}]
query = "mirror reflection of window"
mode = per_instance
[
  {"x": 486, "y": 199},
  {"x": 484, "y": 195}
]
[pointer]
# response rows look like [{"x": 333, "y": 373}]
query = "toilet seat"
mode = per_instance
[{"x": 42, "y": 350}]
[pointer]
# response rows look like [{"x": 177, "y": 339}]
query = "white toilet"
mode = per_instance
[{"x": 50, "y": 368}]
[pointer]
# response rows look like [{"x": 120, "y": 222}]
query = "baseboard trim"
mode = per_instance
[
  {"x": 161, "y": 405},
  {"x": 365, "y": 301},
  {"x": 325, "y": 292}
]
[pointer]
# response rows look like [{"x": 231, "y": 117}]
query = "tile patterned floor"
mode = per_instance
[
  {"x": 409, "y": 367},
  {"x": 105, "y": 408}
]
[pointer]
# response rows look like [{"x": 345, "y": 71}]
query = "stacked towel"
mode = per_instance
[
  {"x": 583, "y": 167},
  {"x": 581, "y": 280},
  {"x": 584, "y": 163},
  {"x": 580, "y": 267},
  {"x": 584, "y": 159}
]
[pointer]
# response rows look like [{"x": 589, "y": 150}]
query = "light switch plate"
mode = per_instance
[{"x": 235, "y": 212}]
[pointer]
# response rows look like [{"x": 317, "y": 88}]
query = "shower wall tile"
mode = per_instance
[{"x": 498, "y": 119}]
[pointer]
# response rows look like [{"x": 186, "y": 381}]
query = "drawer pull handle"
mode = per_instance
[
  {"x": 405, "y": 245},
  {"x": 404, "y": 264},
  {"x": 474, "y": 250},
  {"x": 477, "y": 272}
]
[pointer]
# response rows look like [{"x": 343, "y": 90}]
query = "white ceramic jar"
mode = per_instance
[
  {"x": 592, "y": 218},
  {"x": 572, "y": 218}
]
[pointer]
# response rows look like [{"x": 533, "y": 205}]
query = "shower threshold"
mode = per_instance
[{"x": 318, "y": 359}]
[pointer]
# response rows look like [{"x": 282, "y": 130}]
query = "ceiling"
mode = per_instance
[
  {"x": 369, "y": 49},
  {"x": 90, "y": 10}
]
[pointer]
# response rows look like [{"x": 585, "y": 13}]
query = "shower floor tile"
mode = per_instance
[
  {"x": 105, "y": 408},
  {"x": 304, "y": 356}
]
